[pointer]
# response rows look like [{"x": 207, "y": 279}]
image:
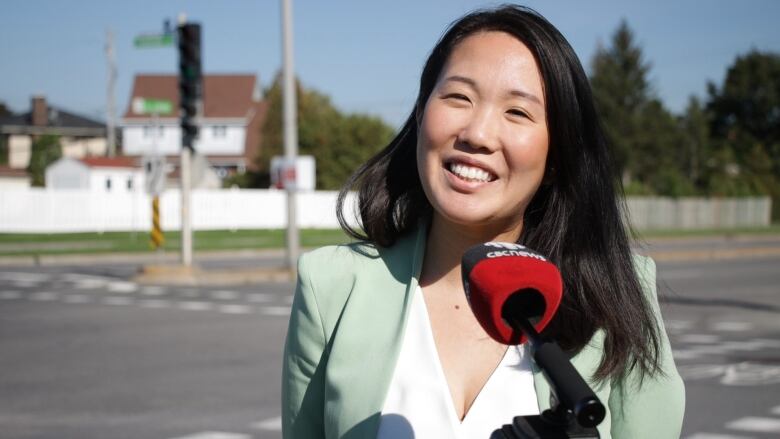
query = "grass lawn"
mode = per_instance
[
  {"x": 74, "y": 243},
  {"x": 70, "y": 243}
]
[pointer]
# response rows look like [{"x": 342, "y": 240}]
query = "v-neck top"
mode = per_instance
[{"x": 419, "y": 403}]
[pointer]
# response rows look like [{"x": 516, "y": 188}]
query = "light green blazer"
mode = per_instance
[{"x": 346, "y": 327}]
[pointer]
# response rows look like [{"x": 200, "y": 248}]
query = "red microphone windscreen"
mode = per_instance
[{"x": 493, "y": 272}]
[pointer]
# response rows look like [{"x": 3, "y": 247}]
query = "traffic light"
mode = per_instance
[{"x": 190, "y": 81}]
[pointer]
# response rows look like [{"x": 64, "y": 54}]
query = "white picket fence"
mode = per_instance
[{"x": 48, "y": 211}]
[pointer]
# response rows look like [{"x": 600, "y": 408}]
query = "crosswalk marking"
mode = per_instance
[
  {"x": 122, "y": 287},
  {"x": 732, "y": 326},
  {"x": 195, "y": 306},
  {"x": 698, "y": 338},
  {"x": 715, "y": 436},
  {"x": 756, "y": 424},
  {"x": 153, "y": 290},
  {"x": 276, "y": 310},
  {"x": 259, "y": 297},
  {"x": 10, "y": 295},
  {"x": 235, "y": 309},
  {"x": 274, "y": 424},
  {"x": 775, "y": 410}
]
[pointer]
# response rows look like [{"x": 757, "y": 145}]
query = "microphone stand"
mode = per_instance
[{"x": 576, "y": 410}]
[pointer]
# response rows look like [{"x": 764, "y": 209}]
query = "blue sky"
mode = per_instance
[{"x": 366, "y": 55}]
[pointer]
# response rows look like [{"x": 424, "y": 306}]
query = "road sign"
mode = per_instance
[
  {"x": 153, "y": 40},
  {"x": 160, "y": 107},
  {"x": 154, "y": 168}
]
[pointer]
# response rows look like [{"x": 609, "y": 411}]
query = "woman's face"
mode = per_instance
[{"x": 482, "y": 143}]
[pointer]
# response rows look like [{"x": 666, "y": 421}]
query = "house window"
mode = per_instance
[
  {"x": 129, "y": 184},
  {"x": 219, "y": 131},
  {"x": 149, "y": 131},
  {"x": 108, "y": 183}
]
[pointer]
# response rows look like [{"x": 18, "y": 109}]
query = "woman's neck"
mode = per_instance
[{"x": 446, "y": 244}]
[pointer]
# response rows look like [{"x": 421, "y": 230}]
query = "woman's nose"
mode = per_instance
[{"x": 481, "y": 130}]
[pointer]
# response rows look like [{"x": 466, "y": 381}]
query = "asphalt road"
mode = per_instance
[{"x": 85, "y": 353}]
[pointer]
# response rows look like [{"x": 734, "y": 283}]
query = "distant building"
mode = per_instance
[
  {"x": 79, "y": 136},
  {"x": 110, "y": 174},
  {"x": 229, "y": 134}
]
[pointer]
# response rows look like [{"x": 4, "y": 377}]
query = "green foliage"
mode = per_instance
[
  {"x": 45, "y": 150},
  {"x": 339, "y": 143},
  {"x": 646, "y": 139},
  {"x": 746, "y": 123}
]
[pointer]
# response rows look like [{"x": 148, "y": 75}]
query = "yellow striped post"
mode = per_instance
[{"x": 157, "y": 235}]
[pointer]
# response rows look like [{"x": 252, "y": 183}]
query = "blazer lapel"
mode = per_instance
[{"x": 370, "y": 330}]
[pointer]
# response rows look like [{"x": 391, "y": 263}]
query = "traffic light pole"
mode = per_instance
[{"x": 190, "y": 109}]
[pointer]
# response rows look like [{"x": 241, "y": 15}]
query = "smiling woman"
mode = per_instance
[{"x": 506, "y": 145}]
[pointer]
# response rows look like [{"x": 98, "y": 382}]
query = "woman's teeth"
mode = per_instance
[{"x": 469, "y": 173}]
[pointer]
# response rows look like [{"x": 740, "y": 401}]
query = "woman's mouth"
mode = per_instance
[{"x": 470, "y": 173}]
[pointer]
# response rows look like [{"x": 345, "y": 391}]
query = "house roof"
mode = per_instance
[
  {"x": 59, "y": 122},
  {"x": 110, "y": 162},
  {"x": 224, "y": 96},
  {"x": 6, "y": 171}
]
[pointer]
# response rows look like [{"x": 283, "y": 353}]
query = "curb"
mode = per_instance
[{"x": 194, "y": 276}]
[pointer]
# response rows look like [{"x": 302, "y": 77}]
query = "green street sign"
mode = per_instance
[
  {"x": 153, "y": 40},
  {"x": 160, "y": 107}
]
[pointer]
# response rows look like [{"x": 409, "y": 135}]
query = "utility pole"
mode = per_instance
[
  {"x": 290, "y": 132},
  {"x": 110, "y": 102}
]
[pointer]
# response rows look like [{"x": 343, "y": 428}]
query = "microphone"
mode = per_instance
[{"x": 514, "y": 292}]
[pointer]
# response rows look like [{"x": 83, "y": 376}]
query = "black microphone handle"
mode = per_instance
[{"x": 570, "y": 388}]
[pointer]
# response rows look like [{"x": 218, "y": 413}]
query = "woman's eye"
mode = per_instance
[
  {"x": 457, "y": 96},
  {"x": 518, "y": 113}
]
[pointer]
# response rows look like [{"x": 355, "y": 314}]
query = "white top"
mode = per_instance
[{"x": 419, "y": 404}]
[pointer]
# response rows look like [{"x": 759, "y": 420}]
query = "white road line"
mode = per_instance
[
  {"x": 715, "y": 436},
  {"x": 24, "y": 283},
  {"x": 274, "y": 424},
  {"x": 698, "y": 338},
  {"x": 89, "y": 284},
  {"x": 289, "y": 299},
  {"x": 224, "y": 295},
  {"x": 259, "y": 297},
  {"x": 190, "y": 293},
  {"x": 155, "y": 303},
  {"x": 775, "y": 410},
  {"x": 195, "y": 306},
  {"x": 77, "y": 298},
  {"x": 756, "y": 424},
  {"x": 44, "y": 296},
  {"x": 215, "y": 435},
  {"x": 10, "y": 295},
  {"x": 236, "y": 309},
  {"x": 677, "y": 325},
  {"x": 685, "y": 354},
  {"x": 113, "y": 300},
  {"x": 122, "y": 287},
  {"x": 276, "y": 310},
  {"x": 24, "y": 276},
  {"x": 732, "y": 326},
  {"x": 701, "y": 371},
  {"x": 153, "y": 290}
]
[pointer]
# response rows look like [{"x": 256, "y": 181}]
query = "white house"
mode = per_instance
[
  {"x": 229, "y": 135},
  {"x": 110, "y": 174}
]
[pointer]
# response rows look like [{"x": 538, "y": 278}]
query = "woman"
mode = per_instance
[{"x": 506, "y": 146}]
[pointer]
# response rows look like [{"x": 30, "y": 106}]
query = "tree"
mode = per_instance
[
  {"x": 644, "y": 136},
  {"x": 338, "y": 142},
  {"x": 746, "y": 121},
  {"x": 45, "y": 151}
]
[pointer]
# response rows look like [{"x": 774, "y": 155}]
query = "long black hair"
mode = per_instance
[{"x": 574, "y": 217}]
